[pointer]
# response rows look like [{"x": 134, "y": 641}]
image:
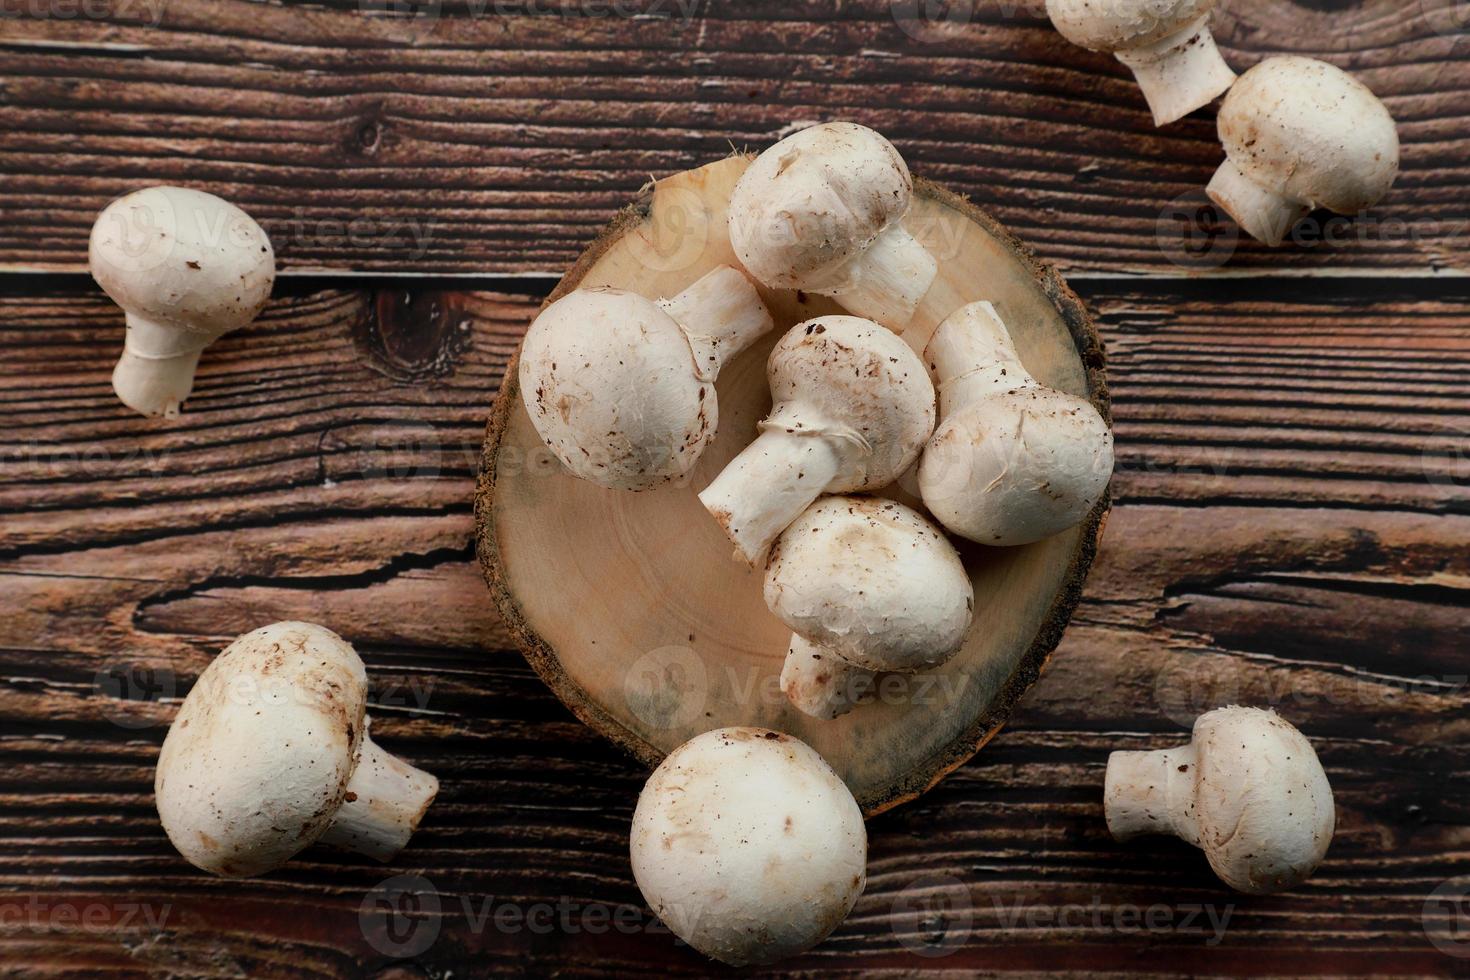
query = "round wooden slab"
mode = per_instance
[{"x": 630, "y": 605}]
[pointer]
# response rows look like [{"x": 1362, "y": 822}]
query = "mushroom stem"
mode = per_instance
[
  {"x": 1152, "y": 793},
  {"x": 386, "y": 799},
  {"x": 721, "y": 314},
  {"x": 1181, "y": 72},
  {"x": 156, "y": 370},
  {"x": 819, "y": 682},
  {"x": 973, "y": 358},
  {"x": 1265, "y": 215},
  {"x": 886, "y": 281},
  {"x": 770, "y": 483}
]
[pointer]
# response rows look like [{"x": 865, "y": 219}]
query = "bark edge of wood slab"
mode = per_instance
[{"x": 606, "y": 590}]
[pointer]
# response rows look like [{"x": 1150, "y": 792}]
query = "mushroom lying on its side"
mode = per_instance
[
  {"x": 1167, "y": 44},
  {"x": 852, "y": 408},
  {"x": 822, "y": 211},
  {"x": 1300, "y": 134},
  {"x": 748, "y": 846},
  {"x": 1011, "y": 461},
  {"x": 867, "y": 585},
  {"x": 622, "y": 389},
  {"x": 186, "y": 267},
  {"x": 1248, "y": 790},
  {"x": 270, "y": 753}
]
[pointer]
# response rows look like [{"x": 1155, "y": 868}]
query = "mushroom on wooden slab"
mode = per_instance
[
  {"x": 852, "y": 406},
  {"x": 1011, "y": 461},
  {"x": 822, "y": 211},
  {"x": 622, "y": 388},
  {"x": 867, "y": 585}
]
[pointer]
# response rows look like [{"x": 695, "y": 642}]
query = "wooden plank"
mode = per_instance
[
  {"x": 480, "y": 138},
  {"x": 1291, "y": 529}
]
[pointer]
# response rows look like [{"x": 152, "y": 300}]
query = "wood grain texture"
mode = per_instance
[
  {"x": 1291, "y": 528},
  {"x": 472, "y": 136}
]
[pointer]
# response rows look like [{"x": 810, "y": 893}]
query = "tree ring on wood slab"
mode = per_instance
[{"x": 630, "y": 605}]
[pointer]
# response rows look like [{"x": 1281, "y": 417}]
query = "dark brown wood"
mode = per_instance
[
  {"x": 482, "y": 137},
  {"x": 1290, "y": 528}
]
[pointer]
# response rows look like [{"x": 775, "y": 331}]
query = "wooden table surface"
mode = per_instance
[{"x": 1292, "y": 525}]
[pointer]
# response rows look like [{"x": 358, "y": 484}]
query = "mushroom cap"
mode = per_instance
[
  {"x": 1121, "y": 25},
  {"x": 1017, "y": 467},
  {"x": 258, "y": 758},
  {"x": 1263, "y": 806},
  {"x": 184, "y": 258},
  {"x": 871, "y": 581},
  {"x": 610, "y": 384},
  {"x": 813, "y": 201},
  {"x": 748, "y": 846},
  {"x": 1312, "y": 133},
  {"x": 850, "y": 377}
]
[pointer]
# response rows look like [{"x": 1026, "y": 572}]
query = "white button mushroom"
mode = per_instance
[
  {"x": 852, "y": 408},
  {"x": 1012, "y": 461},
  {"x": 748, "y": 846},
  {"x": 1248, "y": 790},
  {"x": 867, "y": 585},
  {"x": 622, "y": 390},
  {"x": 270, "y": 753},
  {"x": 1167, "y": 44},
  {"x": 186, "y": 267},
  {"x": 822, "y": 211},
  {"x": 1300, "y": 134}
]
